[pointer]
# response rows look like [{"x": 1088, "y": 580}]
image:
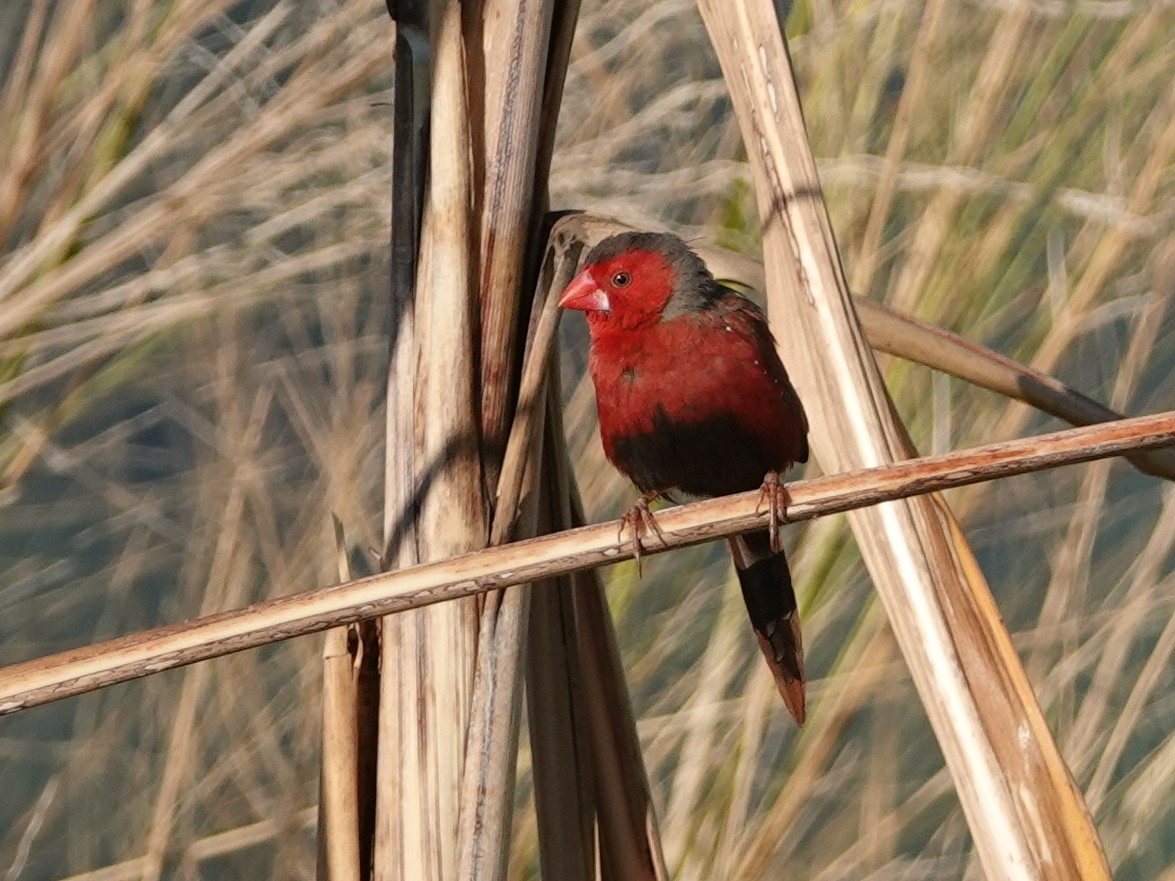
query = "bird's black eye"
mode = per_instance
[{"x": 621, "y": 279}]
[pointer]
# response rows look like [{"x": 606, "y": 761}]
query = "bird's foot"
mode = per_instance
[
  {"x": 774, "y": 494},
  {"x": 639, "y": 521}
]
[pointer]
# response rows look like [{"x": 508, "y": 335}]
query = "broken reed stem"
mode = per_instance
[{"x": 81, "y": 670}]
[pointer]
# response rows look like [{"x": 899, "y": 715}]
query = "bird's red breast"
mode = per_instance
[{"x": 689, "y": 387}]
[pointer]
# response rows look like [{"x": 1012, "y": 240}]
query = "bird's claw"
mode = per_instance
[
  {"x": 774, "y": 493},
  {"x": 639, "y": 521}
]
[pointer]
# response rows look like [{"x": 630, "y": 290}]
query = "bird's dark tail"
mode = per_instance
[{"x": 771, "y": 603}]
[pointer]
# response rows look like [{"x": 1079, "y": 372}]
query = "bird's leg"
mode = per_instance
[
  {"x": 639, "y": 521},
  {"x": 774, "y": 493}
]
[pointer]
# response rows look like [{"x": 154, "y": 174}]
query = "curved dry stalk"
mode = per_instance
[
  {"x": 907, "y": 337},
  {"x": 488, "y": 788},
  {"x": 75, "y": 672}
]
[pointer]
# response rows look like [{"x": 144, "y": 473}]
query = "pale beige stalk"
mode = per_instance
[
  {"x": 509, "y": 41},
  {"x": 409, "y": 117},
  {"x": 338, "y": 788},
  {"x": 1025, "y": 813},
  {"x": 425, "y": 704}
]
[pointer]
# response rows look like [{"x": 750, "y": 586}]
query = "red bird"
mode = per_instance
[{"x": 692, "y": 396}]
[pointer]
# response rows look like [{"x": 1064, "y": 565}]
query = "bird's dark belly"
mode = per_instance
[{"x": 708, "y": 457}]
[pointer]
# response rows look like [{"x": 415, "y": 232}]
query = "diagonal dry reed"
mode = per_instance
[{"x": 1021, "y": 803}]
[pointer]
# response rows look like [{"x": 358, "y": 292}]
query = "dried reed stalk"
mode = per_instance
[
  {"x": 560, "y": 743},
  {"x": 1024, "y": 811},
  {"x": 509, "y": 74},
  {"x": 75, "y": 672},
  {"x": 630, "y": 843},
  {"x": 425, "y": 705},
  {"x": 513, "y": 45},
  {"x": 491, "y": 81},
  {"x": 410, "y": 107},
  {"x": 564, "y": 777},
  {"x": 338, "y": 788},
  {"x": 602, "y": 822},
  {"x": 595, "y": 727}
]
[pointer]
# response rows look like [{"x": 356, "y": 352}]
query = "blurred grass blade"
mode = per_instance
[
  {"x": 969, "y": 137},
  {"x": 1024, "y": 811}
]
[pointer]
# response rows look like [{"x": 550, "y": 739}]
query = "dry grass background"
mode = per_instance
[{"x": 193, "y": 204}]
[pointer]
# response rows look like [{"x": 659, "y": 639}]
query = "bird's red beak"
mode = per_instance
[{"x": 584, "y": 294}]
